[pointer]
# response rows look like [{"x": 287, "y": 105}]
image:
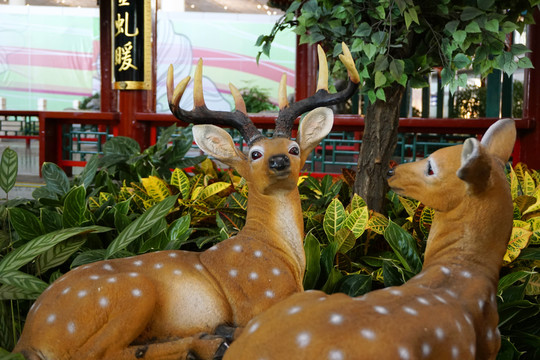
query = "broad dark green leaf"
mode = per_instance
[
  {"x": 55, "y": 178},
  {"x": 27, "y": 225},
  {"x": 74, "y": 207},
  {"x": 485, "y": 4},
  {"x": 470, "y": 13},
  {"x": 51, "y": 219},
  {"x": 363, "y": 30},
  {"x": 312, "y": 249},
  {"x": 27, "y": 252},
  {"x": 9, "y": 166},
  {"x": 404, "y": 246},
  {"x": 461, "y": 61},
  {"x": 142, "y": 224},
  {"x": 89, "y": 172},
  {"x": 356, "y": 285},
  {"x": 11, "y": 292},
  {"x": 508, "y": 280},
  {"x": 26, "y": 282},
  {"x": 121, "y": 145},
  {"x": 57, "y": 255}
]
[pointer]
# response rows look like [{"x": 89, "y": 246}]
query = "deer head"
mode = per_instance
[{"x": 449, "y": 309}]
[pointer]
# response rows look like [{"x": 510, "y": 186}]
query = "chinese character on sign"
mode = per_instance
[
  {"x": 121, "y": 25},
  {"x": 122, "y": 57},
  {"x": 123, "y": 3}
]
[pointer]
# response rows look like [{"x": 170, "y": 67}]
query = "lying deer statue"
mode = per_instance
[
  {"x": 155, "y": 306},
  {"x": 447, "y": 311}
]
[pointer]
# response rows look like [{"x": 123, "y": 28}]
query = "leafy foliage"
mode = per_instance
[
  {"x": 257, "y": 99},
  {"x": 401, "y": 41}
]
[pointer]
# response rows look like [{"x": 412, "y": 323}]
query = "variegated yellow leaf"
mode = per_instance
[
  {"x": 181, "y": 181},
  {"x": 357, "y": 202},
  {"x": 518, "y": 241},
  {"x": 357, "y": 221},
  {"x": 514, "y": 183},
  {"x": 535, "y": 228},
  {"x": 533, "y": 286},
  {"x": 346, "y": 240},
  {"x": 528, "y": 184},
  {"x": 334, "y": 218},
  {"x": 196, "y": 191},
  {"x": 520, "y": 170},
  {"x": 212, "y": 189},
  {"x": 301, "y": 179},
  {"x": 522, "y": 224},
  {"x": 378, "y": 223},
  {"x": 409, "y": 205},
  {"x": 536, "y": 206},
  {"x": 156, "y": 188},
  {"x": 207, "y": 167}
]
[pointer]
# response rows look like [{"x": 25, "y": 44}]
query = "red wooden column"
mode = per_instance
[
  {"x": 306, "y": 70},
  {"x": 530, "y": 141}
]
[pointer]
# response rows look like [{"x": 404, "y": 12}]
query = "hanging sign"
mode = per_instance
[{"x": 131, "y": 41}]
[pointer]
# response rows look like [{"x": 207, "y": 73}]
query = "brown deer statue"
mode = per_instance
[
  {"x": 159, "y": 305},
  {"x": 449, "y": 309}
]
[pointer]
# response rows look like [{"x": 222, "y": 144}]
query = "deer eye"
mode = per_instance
[
  {"x": 256, "y": 155},
  {"x": 429, "y": 170},
  {"x": 294, "y": 150}
]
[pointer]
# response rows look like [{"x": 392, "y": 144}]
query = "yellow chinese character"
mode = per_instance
[
  {"x": 123, "y": 3},
  {"x": 121, "y": 25},
  {"x": 122, "y": 57}
]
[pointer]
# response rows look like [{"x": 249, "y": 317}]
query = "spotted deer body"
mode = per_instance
[
  {"x": 448, "y": 310},
  {"x": 157, "y": 305}
]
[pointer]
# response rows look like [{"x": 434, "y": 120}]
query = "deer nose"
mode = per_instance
[
  {"x": 390, "y": 173},
  {"x": 279, "y": 162}
]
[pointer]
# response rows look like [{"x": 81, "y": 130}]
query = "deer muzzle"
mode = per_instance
[{"x": 279, "y": 163}]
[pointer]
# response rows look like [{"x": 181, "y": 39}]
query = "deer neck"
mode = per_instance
[
  {"x": 277, "y": 220},
  {"x": 473, "y": 236}
]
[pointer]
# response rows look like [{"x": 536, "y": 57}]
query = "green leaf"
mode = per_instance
[
  {"x": 312, "y": 249},
  {"x": 380, "y": 94},
  {"x": 121, "y": 145},
  {"x": 28, "y": 283},
  {"x": 10, "y": 292},
  {"x": 473, "y": 27},
  {"x": 27, "y": 225},
  {"x": 356, "y": 285},
  {"x": 378, "y": 37},
  {"x": 55, "y": 178},
  {"x": 27, "y": 252},
  {"x": 380, "y": 79},
  {"x": 451, "y": 26},
  {"x": 492, "y": 25},
  {"x": 404, "y": 246},
  {"x": 525, "y": 63},
  {"x": 461, "y": 61},
  {"x": 519, "y": 49},
  {"x": 8, "y": 169},
  {"x": 470, "y": 13},
  {"x": 142, "y": 224},
  {"x": 485, "y": 4},
  {"x": 357, "y": 221},
  {"x": 74, "y": 207},
  {"x": 181, "y": 181},
  {"x": 397, "y": 66},
  {"x": 459, "y": 36},
  {"x": 363, "y": 30},
  {"x": 507, "y": 27},
  {"x": 178, "y": 232},
  {"x": 381, "y": 63},
  {"x": 370, "y": 50},
  {"x": 333, "y": 219},
  {"x": 509, "y": 280},
  {"x": 89, "y": 172},
  {"x": 57, "y": 255}
]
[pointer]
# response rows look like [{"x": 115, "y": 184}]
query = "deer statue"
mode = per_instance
[
  {"x": 160, "y": 305},
  {"x": 448, "y": 310}
]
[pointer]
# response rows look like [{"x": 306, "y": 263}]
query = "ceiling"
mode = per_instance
[{"x": 231, "y": 6}]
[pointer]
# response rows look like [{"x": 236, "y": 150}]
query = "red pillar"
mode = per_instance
[
  {"x": 530, "y": 141},
  {"x": 306, "y": 70}
]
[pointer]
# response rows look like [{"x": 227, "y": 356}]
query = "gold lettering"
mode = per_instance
[
  {"x": 123, "y": 3},
  {"x": 123, "y": 57},
  {"x": 121, "y": 25}
]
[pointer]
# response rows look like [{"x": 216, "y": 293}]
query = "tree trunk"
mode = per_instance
[{"x": 378, "y": 144}]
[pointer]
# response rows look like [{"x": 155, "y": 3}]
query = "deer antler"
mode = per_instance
[
  {"x": 288, "y": 113},
  {"x": 200, "y": 114}
]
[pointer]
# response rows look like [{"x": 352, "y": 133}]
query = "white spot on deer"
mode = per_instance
[
  {"x": 422, "y": 301},
  {"x": 381, "y": 310},
  {"x": 458, "y": 326},
  {"x": 426, "y": 349},
  {"x": 86, "y": 267},
  {"x": 472, "y": 349},
  {"x": 336, "y": 319},
  {"x": 440, "y": 299},
  {"x": 489, "y": 334},
  {"x": 136, "y": 292},
  {"x": 51, "y": 318},
  {"x": 66, "y": 290},
  {"x": 112, "y": 279},
  {"x": 108, "y": 267},
  {"x": 137, "y": 262},
  {"x": 133, "y": 274},
  {"x": 368, "y": 334},
  {"x": 439, "y": 332},
  {"x": 410, "y": 310},
  {"x": 177, "y": 272},
  {"x": 71, "y": 327},
  {"x": 103, "y": 302},
  {"x": 199, "y": 267},
  {"x": 173, "y": 255},
  {"x": 233, "y": 272},
  {"x": 213, "y": 248},
  {"x": 294, "y": 310},
  {"x": 253, "y": 327},
  {"x": 94, "y": 277},
  {"x": 82, "y": 293},
  {"x": 303, "y": 339},
  {"x": 237, "y": 248},
  {"x": 466, "y": 274},
  {"x": 455, "y": 352},
  {"x": 451, "y": 293},
  {"x": 396, "y": 292},
  {"x": 404, "y": 353},
  {"x": 481, "y": 304},
  {"x": 445, "y": 270},
  {"x": 253, "y": 275},
  {"x": 158, "y": 265},
  {"x": 335, "y": 355},
  {"x": 269, "y": 294},
  {"x": 257, "y": 253},
  {"x": 468, "y": 318},
  {"x": 276, "y": 271}
]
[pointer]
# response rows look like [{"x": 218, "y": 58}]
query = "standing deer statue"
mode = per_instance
[
  {"x": 159, "y": 305},
  {"x": 448, "y": 310}
]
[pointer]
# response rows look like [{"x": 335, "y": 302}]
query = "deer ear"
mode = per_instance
[
  {"x": 475, "y": 167},
  {"x": 313, "y": 128},
  {"x": 499, "y": 139},
  {"x": 216, "y": 142}
]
